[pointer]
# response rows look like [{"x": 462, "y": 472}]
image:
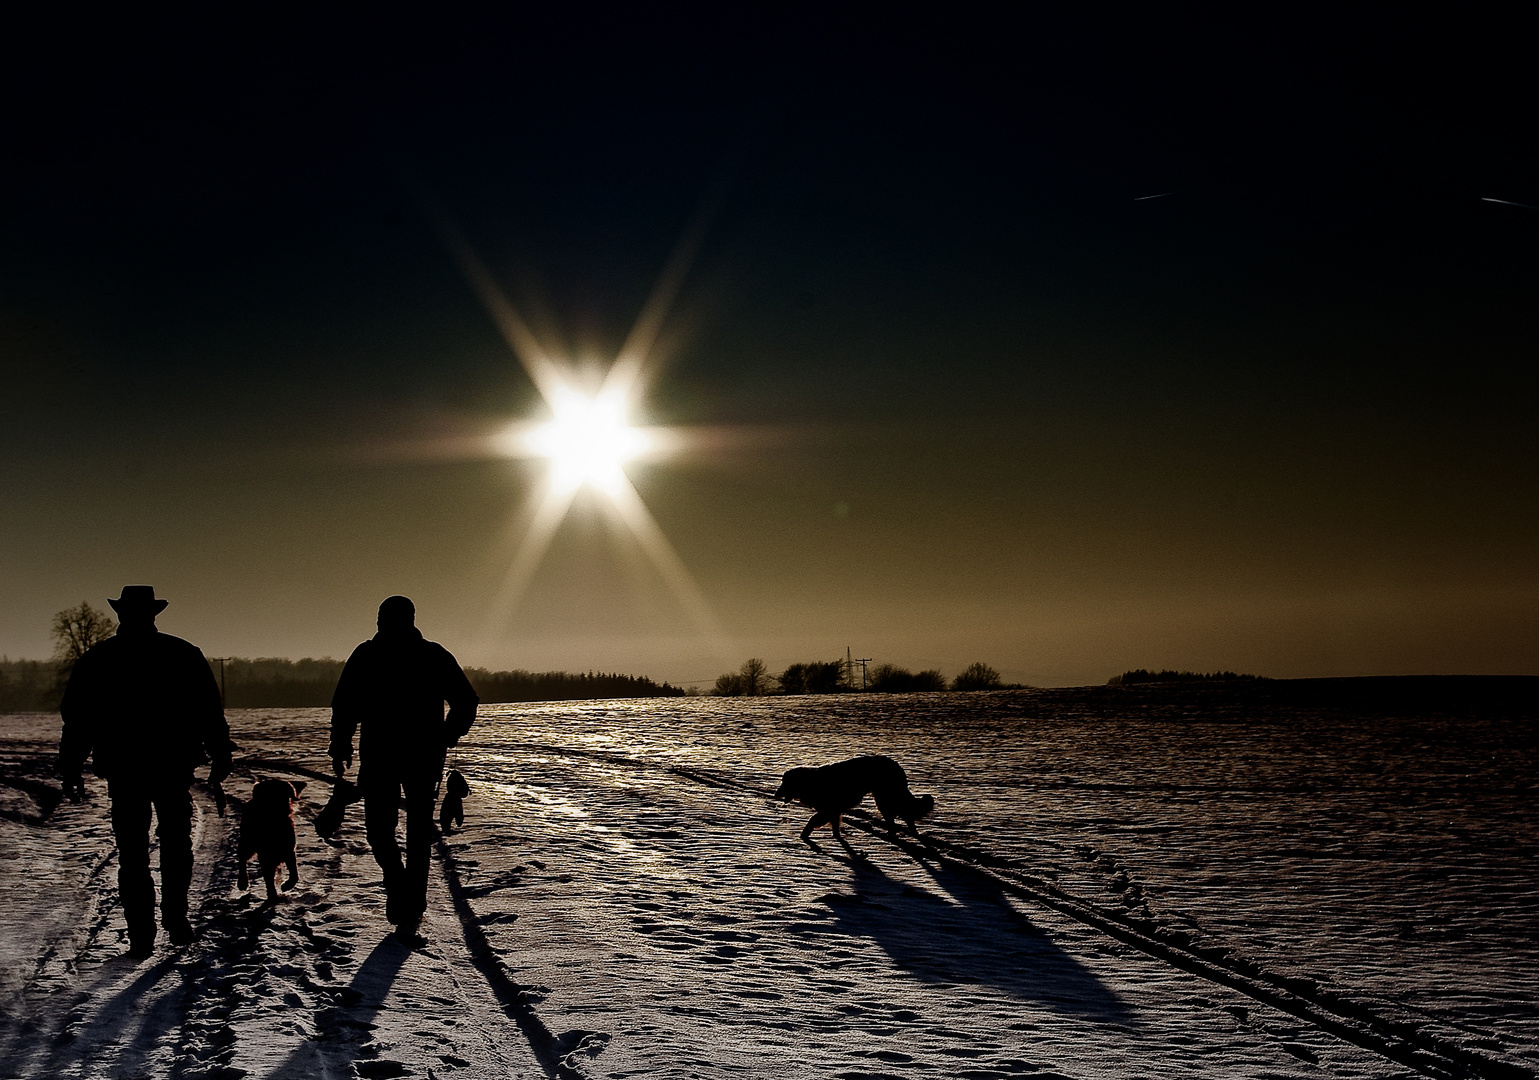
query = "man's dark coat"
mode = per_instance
[
  {"x": 394, "y": 687},
  {"x": 147, "y": 705}
]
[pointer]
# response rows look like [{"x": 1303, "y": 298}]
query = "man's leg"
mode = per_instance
[
  {"x": 381, "y": 808},
  {"x": 419, "y": 846},
  {"x": 173, "y": 827},
  {"x": 136, "y": 891}
]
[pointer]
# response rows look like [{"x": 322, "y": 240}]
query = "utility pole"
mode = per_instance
[
  {"x": 850, "y": 660},
  {"x": 862, "y": 661}
]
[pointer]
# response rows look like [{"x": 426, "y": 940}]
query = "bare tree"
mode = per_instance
[
  {"x": 76, "y": 629},
  {"x": 755, "y": 677}
]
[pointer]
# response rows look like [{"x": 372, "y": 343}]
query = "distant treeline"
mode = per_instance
[
  {"x": 564, "y": 685},
  {"x": 29, "y": 685},
  {"x": 837, "y": 677},
  {"x": 1139, "y": 675},
  {"x": 275, "y": 683}
]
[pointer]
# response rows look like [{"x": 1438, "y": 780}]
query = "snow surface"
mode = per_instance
[{"x": 1105, "y": 894}]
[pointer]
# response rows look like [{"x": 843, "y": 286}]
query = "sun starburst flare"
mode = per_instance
[{"x": 588, "y": 440}]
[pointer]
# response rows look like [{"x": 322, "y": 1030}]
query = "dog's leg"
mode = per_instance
[
  {"x": 890, "y": 804},
  {"x": 849, "y": 849},
  {"x": 240, "y": 877},
  {"x": 270, "y": 878},
  {"x": 293, "y": 864},
  {"x": 820, "y": 818}
]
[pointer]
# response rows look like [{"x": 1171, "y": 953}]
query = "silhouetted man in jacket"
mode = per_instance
[
  {"x": 146, "y": 704},
  {"x": 394, "y": 686}
]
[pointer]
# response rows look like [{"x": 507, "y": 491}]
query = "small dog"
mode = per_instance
[
  {"x": 833, "y": 789},
  {"x": 267, "y": 831},
  {"x": 453, "y": 808}
]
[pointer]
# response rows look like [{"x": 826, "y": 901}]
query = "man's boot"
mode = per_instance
[
  {"x": 141, "y": 938},
  {"x": 179, "y": 930}
]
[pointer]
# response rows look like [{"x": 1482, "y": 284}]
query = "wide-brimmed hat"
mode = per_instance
[{"x": 137, "y": 599}]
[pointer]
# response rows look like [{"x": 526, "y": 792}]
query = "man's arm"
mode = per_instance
[
  {"x": 345, "y": 708},
  {"x": 213, "y": 728},
  {"x": 75, "y": 744},
  {"x": 462, "y": 699}
]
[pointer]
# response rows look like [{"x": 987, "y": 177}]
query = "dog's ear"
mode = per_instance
[{"x": 298, "y": 786}]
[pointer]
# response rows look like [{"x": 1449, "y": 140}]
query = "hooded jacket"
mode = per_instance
[{"x": 394, "y": 687}]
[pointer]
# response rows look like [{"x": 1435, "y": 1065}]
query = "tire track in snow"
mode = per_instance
[
  {"x": 558, "y": 1055},
  {"x": 1402, "y": 1043},
  {"x": 257, "y": 952},
  {"x": 123, "y": 1014}
]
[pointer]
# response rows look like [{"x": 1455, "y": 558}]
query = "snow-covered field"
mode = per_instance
[{"x": 1114, "y": 885}]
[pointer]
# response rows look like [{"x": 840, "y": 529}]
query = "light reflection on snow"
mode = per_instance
[{"x": 694, "y": 921}]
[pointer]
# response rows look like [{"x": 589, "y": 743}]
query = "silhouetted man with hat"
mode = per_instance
[
  {"x": 147, "y": 706},
  {"x": 394, "y": 687}
]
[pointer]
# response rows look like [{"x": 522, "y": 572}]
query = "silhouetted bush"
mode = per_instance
[
  {"x": 1140, "y": 675},
  {"x": 891, "y": 679},
  {"x": 978, "y": 676},
  {"x": 815, "y": 678}
]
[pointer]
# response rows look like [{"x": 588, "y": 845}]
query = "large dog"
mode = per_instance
[
  {"x": 833, "y": 789},
  {"x": 267, "y": 831}
]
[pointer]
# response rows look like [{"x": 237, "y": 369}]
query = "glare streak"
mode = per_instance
[
  {"x": 515, "y": 331},
  {"x": 629, "y": 364},
  {"x": 554, "y": 502},
  {"x": 1509, "y": 202},
  {"x": 633, "y": 511}
]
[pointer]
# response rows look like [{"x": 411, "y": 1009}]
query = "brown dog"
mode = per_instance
[
  {"x": 267, "y": 831},
  {"x": 833, "y": 789}
]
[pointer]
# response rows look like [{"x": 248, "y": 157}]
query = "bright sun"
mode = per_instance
[{"x": 588, "y": 441}]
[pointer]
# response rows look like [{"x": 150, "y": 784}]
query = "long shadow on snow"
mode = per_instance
[
  {"x": 343, "y": 1027},
  {"x": 974, "y": 937},
  {"x": 99, "y": 1029}
]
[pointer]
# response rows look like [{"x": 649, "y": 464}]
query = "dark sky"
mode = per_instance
[{"x": 971, "y": 396}]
